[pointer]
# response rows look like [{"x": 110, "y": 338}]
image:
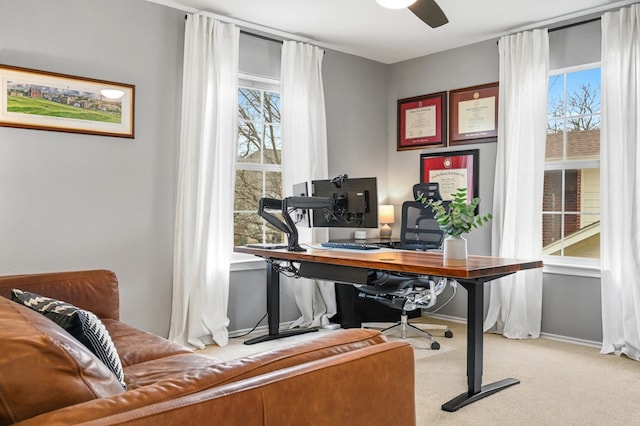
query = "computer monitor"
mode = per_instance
[{"x": 355, "y": 202}]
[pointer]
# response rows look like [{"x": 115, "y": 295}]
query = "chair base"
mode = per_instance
[{"x": 405, "y": 326}]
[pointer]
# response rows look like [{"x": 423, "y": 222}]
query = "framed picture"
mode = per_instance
[
  {"x": 473, "y": 115},
  {"x": 43, "y": 100},
  {"x": 452, "y": 170},
  {"x": 422, "y": 121}
]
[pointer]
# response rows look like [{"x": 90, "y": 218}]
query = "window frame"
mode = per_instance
[
  {"x": 241, "y": 261},
  {"x": 571, "y": 265}
]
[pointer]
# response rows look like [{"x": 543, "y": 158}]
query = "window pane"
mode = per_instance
[
  {"x": 582, "y": 236},
  {"x": 249, "y": 104},
  {"x": 583, "y": 92},
  {"x": 272, "y": 234},
  {"x": 273, "y": 185},
  {"x": 555, "y": 97},
  {"x": 551, "y": 233},
  {"x": 590, "y": 191},
  {"x": 555, "y": 135},
  {"x": 271, "y": 107},
  {"x": 248, "y": 143},
  {"x": 272, "y": 145},
  {"x": 582, "y": 190},
  {"x": 247, "y": 228},
  {"x": 248, "y": 190},
  {"x": 584, "y": 145},
  {"x": 552, "y": 194}
]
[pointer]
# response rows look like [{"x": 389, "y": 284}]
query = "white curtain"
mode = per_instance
[
  {"x": 515, "y": 304},
  {"x": 620, "y": 182},
  {"x": 304, "y": 140},
  {"x": 204, "y": 211}
]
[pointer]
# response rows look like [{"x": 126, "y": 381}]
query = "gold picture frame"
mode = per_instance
[{"x": 42, "y": 100}]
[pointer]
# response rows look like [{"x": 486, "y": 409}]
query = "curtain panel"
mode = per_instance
[
  {"x": 620, "y": 182},
  {"x": 204, "y": 210},
  {"x": 515, "y": 305},
  {"x": 304, "y": 139}
]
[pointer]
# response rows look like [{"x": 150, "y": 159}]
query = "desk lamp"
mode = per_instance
[{"x": 386, "y": 217}]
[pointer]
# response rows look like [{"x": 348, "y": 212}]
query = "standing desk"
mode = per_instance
[{"x": 353, "y": 266}]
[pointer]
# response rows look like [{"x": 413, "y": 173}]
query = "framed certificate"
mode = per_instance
[
  {"x": 421, "y": 121},
  {"x": 473, "y": 115},
  {"x": 452, "y": 170}
]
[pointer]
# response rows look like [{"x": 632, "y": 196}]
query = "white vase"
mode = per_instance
[{"x": 455, "y": 251}]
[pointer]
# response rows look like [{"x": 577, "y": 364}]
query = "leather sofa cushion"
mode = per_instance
[
  {"x": 43, "y": 368},
  {"x": 136, "y": 346},
  {"x": 202, "y": 371},
  {"x": 83, "y": 325}
]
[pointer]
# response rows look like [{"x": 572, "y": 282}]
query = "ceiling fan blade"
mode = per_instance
[{"x": 429, "y": 12}]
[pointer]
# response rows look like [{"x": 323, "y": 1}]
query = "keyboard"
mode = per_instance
[{"x": 353, "y": 246}]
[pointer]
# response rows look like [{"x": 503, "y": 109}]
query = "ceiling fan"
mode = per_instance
[{"x": 427, "y": 10}]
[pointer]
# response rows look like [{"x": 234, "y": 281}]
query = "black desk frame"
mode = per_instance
[
  {"x": 475, "y": 310},
  {"x": 273, "y": 310}
]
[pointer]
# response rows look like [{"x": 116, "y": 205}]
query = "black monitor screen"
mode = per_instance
[{"x": 355, "y": 202}]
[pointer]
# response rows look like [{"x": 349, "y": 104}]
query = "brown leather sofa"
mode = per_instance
[{"x": 350, "y": 377}]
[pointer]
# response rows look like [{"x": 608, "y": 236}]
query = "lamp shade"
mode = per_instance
[
  {"x": 386, "y": 213},
  {"x": 395, "y": 4}
]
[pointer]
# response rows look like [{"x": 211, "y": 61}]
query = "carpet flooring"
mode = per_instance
[{"x": 561, "y": 383}]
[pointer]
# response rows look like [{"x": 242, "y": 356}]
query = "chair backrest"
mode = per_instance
[
  {"x": 419, "y": 229},
  {"x": 428, "y": 190}
]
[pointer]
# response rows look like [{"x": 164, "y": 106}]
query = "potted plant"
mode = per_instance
[{"x": 455, "y": 219}]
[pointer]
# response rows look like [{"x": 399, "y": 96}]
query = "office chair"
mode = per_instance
[{"x": 419, "y": 231}]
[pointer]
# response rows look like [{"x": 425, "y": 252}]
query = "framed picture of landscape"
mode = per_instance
[{"x": 44, "y": 100}]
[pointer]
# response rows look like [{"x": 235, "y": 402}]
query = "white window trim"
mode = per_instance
[
  {"x": 576, "y": 266},
  {"x": 246, "y": 262},
  {"x": 242, "y": 261},
  {"x": 567, "y": 265}
]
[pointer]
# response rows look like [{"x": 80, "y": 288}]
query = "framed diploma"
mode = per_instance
[
  {"x": 473, "y": 116},
  {"x": 422, "y": 121},
  {"x": 452, "y": 170}
]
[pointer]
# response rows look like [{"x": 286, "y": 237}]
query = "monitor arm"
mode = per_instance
[{"x": 289, "y": 226}]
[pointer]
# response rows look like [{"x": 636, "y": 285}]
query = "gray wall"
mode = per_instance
[
  {"x": 72, "y": 201},
  {"x": 453, "y": 69}
]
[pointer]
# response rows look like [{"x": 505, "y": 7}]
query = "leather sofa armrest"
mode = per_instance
[
  {"x": 347, "y": 388},
  {"x": 95, "y": 290}
]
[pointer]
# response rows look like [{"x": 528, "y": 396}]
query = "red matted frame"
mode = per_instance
[
  {"x": 473, "y": 115},
  {"x": 452, "y": 170},
  {"x": 422, "y": 121}
]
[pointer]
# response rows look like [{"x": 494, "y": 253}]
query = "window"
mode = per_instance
[
  {"x": 259, "y": 158},
  {"x": 571, "y": 200}
]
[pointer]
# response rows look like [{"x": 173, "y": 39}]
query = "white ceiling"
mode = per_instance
[{"x": 363, "y": 28}]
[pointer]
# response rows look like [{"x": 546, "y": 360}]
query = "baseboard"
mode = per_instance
[
  {"x": 444, "y": 317},
  {"x": 581, "y": 342},
  {"x": 550, "y": 336}
]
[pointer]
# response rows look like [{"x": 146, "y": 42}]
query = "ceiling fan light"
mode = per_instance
[{"x": 395, "y": 4}]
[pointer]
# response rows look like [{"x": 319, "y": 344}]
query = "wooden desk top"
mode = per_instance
[{"x": 414, "y": 262}]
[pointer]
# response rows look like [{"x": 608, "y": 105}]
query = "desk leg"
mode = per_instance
[
  {"x": 476, "y": 391},
  {"x": 273, "y": 310}
]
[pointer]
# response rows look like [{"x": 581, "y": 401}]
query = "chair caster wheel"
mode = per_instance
[
  {"x": 448, "y": 334},
  {"x": 435, "y": 346}
]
